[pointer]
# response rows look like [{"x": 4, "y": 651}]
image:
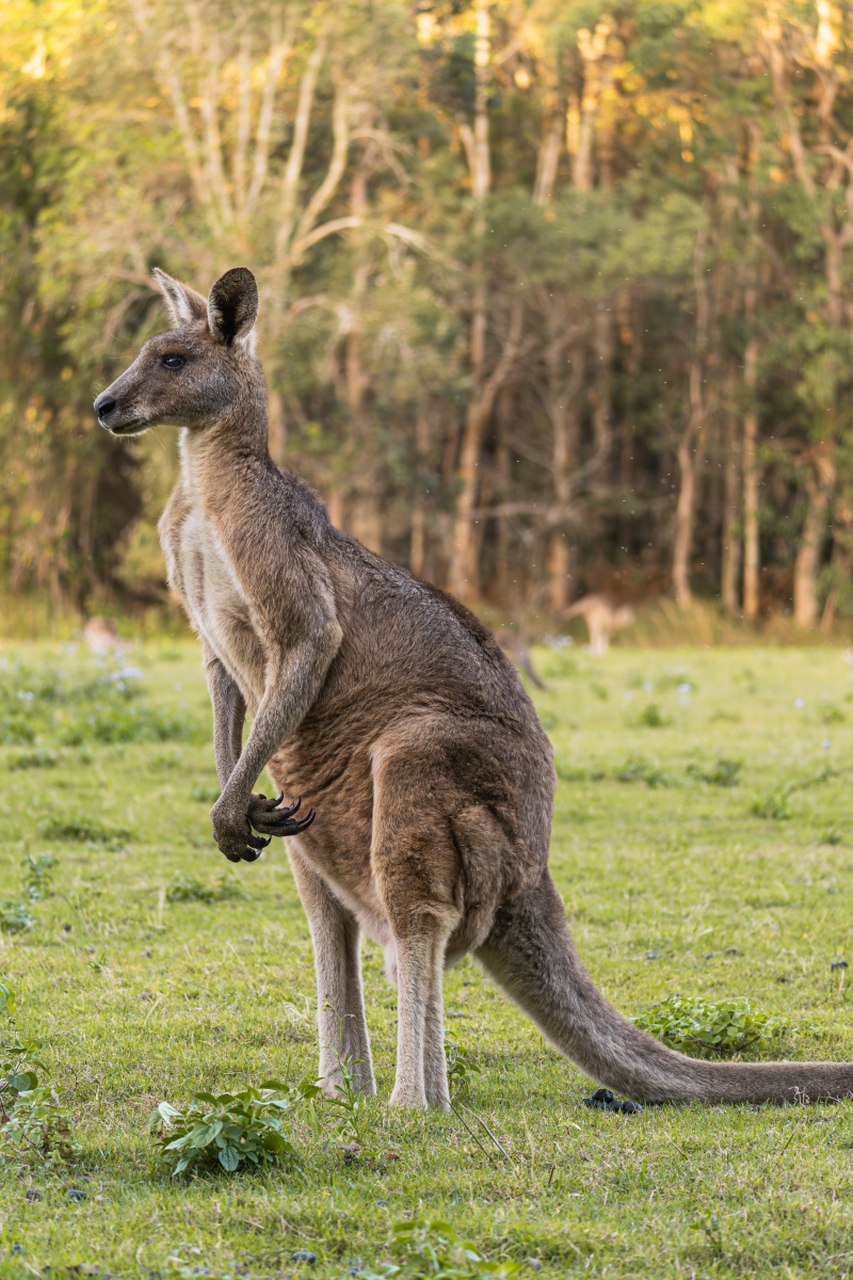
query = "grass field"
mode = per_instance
[{"x": 702, "y": 844}]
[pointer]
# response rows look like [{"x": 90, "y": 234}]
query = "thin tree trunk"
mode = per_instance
[
  {"x": 751, "y": 549},
  {"x": 601, "y": 397},
  {"x": 692, "y": 436},
  {"x": 464, "y": 573},
  {"x": 278, "y": 429},
  {"x": 503, "y": 468},
  {"x": 417, "y": 548},
  {"x": 731, "y": 531},
  {"x": 464, "y": 576},
  {"x": 593, "y": 51},
  {"x": 366, "y": 517},
  {"x": 842, "y": 558},
  {"x": 819, "y": 483},
  {"x": 566, "y": 427},
  {"x": 632, "y": 338}
]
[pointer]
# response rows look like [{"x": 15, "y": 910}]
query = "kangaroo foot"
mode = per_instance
[{"x": 264, "y": 815}]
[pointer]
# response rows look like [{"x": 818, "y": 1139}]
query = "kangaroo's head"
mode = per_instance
[{"x": 194, "y": 374}]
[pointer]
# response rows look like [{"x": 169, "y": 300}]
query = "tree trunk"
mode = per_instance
[
  {"x": 750, "y": 476},
  {"x": 596, "y": 71},
  {"x": 731, "y": 531},
  {"x": 278, "y": 429},
  {"x": 417, "y": 549},
  {"x": 464, "y": 575},
  {"x": 691, "y": 445},
  {"x": 503, "y": 468},
  {"x": 566, "y": 427},
  {"x": 365, "y": 507},
  {"x": 819, "y": 482},
  {"x": 842, "y": 558}
]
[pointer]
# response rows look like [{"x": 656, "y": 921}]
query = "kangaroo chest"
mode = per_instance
[{"x": 202, "y": 574}]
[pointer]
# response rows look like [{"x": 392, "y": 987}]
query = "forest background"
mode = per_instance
[{"x": 556, "y": 295}]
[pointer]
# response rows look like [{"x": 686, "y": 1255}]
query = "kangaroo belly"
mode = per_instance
[{"x": 219, "y": 609}]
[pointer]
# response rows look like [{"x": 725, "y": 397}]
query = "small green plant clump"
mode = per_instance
[
  {"x": 460, "y": 1069},
  {"x": 637, "y": 769},
  {"x": 84, "y": 829},
  {"x": 775, "y": 803},
  {"x": 186, "y": 888},
  {"x": 711, "y": 1028},
  {"x": 724, "y": 773},
  {"x": 230, "y": 1131},
  {"x": 651, "y": 717},
  {"x": 38, "y": 875},
  {"x": 15, "y": 917},
  {"x": 423, "y": 1248},
  {"x": 34, "y": 1124}
]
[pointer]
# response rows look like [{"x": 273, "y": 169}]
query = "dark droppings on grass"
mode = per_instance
[{"x": 603, "y": 1100}]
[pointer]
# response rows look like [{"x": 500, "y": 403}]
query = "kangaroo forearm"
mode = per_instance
[
  {"x": 289, "y": 696},
  {"x": 229, "y": 713}
]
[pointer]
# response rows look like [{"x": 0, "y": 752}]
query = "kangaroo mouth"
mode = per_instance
[{"x": 133, "y": 428}]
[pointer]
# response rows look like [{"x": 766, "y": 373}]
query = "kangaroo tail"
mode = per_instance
[{"x": 531, "y": 954}]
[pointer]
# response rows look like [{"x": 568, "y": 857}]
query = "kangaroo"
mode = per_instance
[
  {"x": 101, "y": 634},
  {"x": 602, "y": 616},
  {"x": 389, "y": 709},
  {"x": 516, "y": 649}
]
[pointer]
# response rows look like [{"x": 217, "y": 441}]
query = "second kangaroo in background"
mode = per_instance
[
  {"x": 392, "y": 711},
  {"x": 603, "y": 616}
]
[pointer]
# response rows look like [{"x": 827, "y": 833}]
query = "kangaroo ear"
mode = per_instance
[
  {"x": 184, "y": 304},
  {"x": 232, "y": 307}
]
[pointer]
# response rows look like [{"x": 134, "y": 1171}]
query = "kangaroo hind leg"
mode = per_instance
[
  {"x": 417, "y": 871},
  {"x": 340, "y": 1002}
]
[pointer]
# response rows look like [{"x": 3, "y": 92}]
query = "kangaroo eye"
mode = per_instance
[{"x": 174, "y": 362}]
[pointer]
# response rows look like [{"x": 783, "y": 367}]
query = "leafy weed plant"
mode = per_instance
[
  {"x": 229, "y": 1131},
  {"x": 38, "y": 875},
  {"x": 711, "y": 1028},
  {"x": 35, "y": 1126},
  {"x": 15, "y": 917},
  {"x": 460, "y": 1069}
]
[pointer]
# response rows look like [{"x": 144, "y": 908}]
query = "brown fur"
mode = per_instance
[
  {"x": 603, "y": 616},
  {"x": 391, "y": 710}
]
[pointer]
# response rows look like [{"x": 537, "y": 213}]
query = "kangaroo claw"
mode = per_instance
[{"x": 267, "y": 817}]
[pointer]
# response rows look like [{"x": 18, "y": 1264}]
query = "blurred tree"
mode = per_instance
[{"x": 556, "y": 296}]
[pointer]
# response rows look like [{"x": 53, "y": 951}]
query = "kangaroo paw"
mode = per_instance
[{"x": 265, "y": 816}]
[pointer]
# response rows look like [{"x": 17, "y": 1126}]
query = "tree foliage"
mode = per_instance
[{"x": 555, "y": 296}]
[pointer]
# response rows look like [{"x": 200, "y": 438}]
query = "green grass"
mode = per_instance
[{"x": 673, "y": 882}]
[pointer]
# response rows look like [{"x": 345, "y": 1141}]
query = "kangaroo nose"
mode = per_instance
[{"x": 104, "y": 405}]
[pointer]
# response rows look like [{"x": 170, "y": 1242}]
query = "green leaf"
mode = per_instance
[
  {"x": 203, "y": 1134},
  {"x": 23, "y": 1082},
  {"x": 229, "y": 1159}
]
